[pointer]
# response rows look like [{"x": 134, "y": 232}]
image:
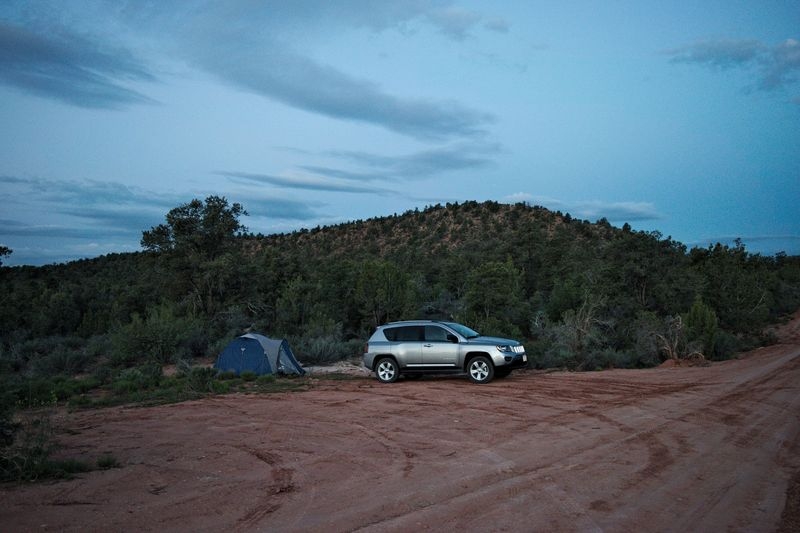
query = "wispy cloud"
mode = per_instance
[
  {"x": 416, "y": 165},
  {"x": 425, "y": 163},
  {"x": 778, "y": 65},
  {"x": 724, "y": 53},
  {"x": 259, "y": 48},
  {"x": 17, "y": 228},
  {"x": 85, "y": 209},
  {"x": 65, "y": 194},
  {"x": 305, "y": 183},
  {"x": 255, "y": 47},
  {"x": 782, "y": 65},
  {"x": 282, "y": 209},
  {"x": 69, "y": 68},
  {"x": 275, "y": 71},
  {"x": 593, "y": 209}
]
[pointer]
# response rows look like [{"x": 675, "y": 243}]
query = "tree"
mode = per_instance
[
  {"x": 494, "y": 298},
  {"x": 701, "y": 326},
  {"x": 383, "y": 292},
  {"x": 197, "y": 227},
  {"x": 198, "y": 238},
  {"x": 4, "y": 251}
]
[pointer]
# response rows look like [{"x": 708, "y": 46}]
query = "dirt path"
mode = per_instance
[{"x": 703, "y": 449}]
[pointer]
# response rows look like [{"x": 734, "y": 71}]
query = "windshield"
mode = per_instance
[{"x": 462, "y": 330}]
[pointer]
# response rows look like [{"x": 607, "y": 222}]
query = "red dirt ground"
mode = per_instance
[{"x": 710, "y": 448}]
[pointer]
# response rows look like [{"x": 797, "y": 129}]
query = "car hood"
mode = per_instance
[{"x": 492, "y": 341}]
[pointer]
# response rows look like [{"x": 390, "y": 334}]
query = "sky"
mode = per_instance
[{"x": 680, "y": 117}]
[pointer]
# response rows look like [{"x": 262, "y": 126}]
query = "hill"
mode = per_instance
[{"x": 582, "y": 295}]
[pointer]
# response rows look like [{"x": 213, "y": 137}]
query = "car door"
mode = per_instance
[
  {"x": 407, "y": 346},
  {"x": 439, "y": 350}
]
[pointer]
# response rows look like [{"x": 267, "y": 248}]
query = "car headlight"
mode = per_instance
[{"x": 504, "y": 349}]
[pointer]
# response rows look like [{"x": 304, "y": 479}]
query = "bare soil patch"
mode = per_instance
[{"x": 709, "y": 448}]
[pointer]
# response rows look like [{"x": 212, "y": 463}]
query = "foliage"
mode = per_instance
[
  {"x": 580, "y": 295},
  {"x": 161, "y": 336},
  {"x": 4, "y": 251},
  {"x": 27, "y": 455},
  {"x": 197, "y": 227},
  {"x": 701, "y": 326}
]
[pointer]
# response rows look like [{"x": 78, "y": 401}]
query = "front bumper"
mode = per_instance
[{"x": 517, "y": 360}]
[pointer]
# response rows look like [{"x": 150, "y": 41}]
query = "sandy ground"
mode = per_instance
[{"x": 670, "y": 449}]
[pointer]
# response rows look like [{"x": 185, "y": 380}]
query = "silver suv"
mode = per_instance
[{"x": 416, "y": 347}]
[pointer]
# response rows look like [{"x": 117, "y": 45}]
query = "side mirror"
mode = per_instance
[{"x": 452, "y": 338}]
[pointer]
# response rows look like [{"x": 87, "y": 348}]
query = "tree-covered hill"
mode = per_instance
[{"x": 582, "y": 295}]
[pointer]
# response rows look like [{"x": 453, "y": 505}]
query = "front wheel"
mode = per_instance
[
  {"x": 387, "y": 370},
  {"x": 480, "y": 369}
]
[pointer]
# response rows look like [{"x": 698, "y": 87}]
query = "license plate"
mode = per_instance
[{"x": 525, "y": 358}]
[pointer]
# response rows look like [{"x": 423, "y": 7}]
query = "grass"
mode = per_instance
[{"x": 28, "y": 405}]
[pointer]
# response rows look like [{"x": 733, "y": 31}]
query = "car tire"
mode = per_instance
[
  {"x": 386, "y": 370},
  {"x": 480, "y": 369}
]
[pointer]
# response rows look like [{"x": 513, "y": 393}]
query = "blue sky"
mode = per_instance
[{"x": 681, "y": 117}]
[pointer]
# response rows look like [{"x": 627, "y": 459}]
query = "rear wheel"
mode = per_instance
[
  {"x": 480, "y": 369},
  {"x": 387, "y": 370}
]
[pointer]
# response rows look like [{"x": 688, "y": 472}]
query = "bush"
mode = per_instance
[
  {"x": 137, "y": 379},
  {"x": 202, "y": 379},
  {"x": 160, "y": 336},
  {"x": 725, "y": 346},
  {"x": 227, "y": 375},
  {"x": 327, "y": 349}
]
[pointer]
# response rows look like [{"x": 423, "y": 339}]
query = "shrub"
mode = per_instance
[
  {"x": 725, "y": 346},
  {"x": 202, "y": 379},
  {"x": 226, "y": 375},
  {"x": 138, "y": 378},
  {"x": 326, "y": 349},
  {"x": 161, "y": 336},
  {"x": 266, "y": 378}
]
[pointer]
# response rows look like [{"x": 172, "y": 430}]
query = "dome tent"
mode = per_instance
[{"x": 258, "y": 354}]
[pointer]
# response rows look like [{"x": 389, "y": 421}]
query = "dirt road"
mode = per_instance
[{"x": 671, "y": 449}]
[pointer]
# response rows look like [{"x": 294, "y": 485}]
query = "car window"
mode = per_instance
[
  {"x": 435, "y": 334},
  {"x": 404, "y": 333}
]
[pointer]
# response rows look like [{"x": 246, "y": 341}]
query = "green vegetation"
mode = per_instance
[{"x": 581, "y": 295}]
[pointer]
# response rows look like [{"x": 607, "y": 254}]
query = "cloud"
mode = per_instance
[
  {"x": 593, "y": 209},
  {"x": 781, "y": 65},
  {"x": 304, "y": 183},
  {"x": 421, "y": 164},
  {"x": 427, "y": 162},
  {"x": 718, "y": 54},
  {"x": 454, "y": 22},
  {"x": 86, "y": 209},
  {"x": 65, "y": 194},
  {"x": 281, "y": 208},
  {"x": 17, "y": 228},
  {"x": 257, "y": 47},
  {"x": 69, "y": 68},
  {"x": 275, "y": 71},
  {"x": 777, "y": 65}
]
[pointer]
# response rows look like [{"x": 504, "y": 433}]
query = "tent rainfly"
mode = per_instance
[{"x": 258, "y": 354}]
